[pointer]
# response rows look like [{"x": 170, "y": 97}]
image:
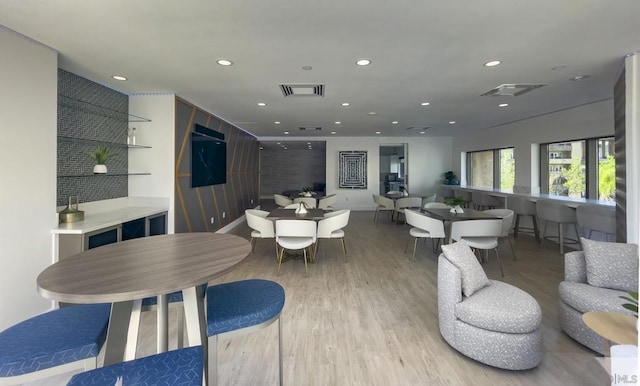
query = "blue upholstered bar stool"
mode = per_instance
[
  {"x": 555, "y": 211},
  {"x": 238, "y": 308},
  {"x": 523, "y": 206},
  {"x": 597, "y": 218},
  {"x": 53, "y": 343},
  {"x": 177, "y": 367}
]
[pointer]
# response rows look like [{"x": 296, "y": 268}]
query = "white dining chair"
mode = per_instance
[
  {"x": 292, "y": 206},
  {"x": 326, "y": 201},
  {"x": 406, "y": 203},
  {"x": 331, "y": 227},
  {"x": 423, "y": 227},
  {"x": 479, "y": 234},
  {"x": 436, "y": 205},
  {"x": 281, "y": 200},
  {"x": 429, "y": 199},
  {"x": 384, "y": 204},
  {"x": 295, "y": 235},
  {"x": 507, "y": 216},
  {"x": 310, "y": 202},
  {"x": 262, "y": 228}
]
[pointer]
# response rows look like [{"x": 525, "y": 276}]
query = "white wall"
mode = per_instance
[
  {"x": 632, "y": 116},
  {"x": 28, "y": 116},
  {"x": 160, "y": 159},
  {"x": 428, "y": 159},
  {"x": 593, "y": 120}
]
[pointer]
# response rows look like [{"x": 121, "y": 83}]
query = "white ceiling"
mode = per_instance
[{"x": 421, "y": 50}]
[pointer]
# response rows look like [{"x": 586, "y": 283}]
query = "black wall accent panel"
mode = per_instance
[
  {"x": 224, "y": 203},
  {"x": 89, "y": 115},
  {"x": 292, "y": 169}
]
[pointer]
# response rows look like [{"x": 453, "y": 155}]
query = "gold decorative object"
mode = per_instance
[{"x": 71, "y": 212}]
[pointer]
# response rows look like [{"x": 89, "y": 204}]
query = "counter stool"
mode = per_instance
[
  {"x": 522, "y": 206},
  {"x": 53, "y": 343},
  {"x": 483, "y": 201},
  {"x": 597, "y": 218},
  {"x": 239, "y": 308},
  {"x": 177, "y": 367},
  {"x": 554, "y": 211}
]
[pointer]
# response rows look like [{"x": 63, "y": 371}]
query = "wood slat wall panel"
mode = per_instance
[
  {"x": 619, "y": 105},
  {"x": 224, "y": 202}
]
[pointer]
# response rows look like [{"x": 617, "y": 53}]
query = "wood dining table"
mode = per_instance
[
  {"x": 290, "y": 214},
  {"x": 131, "y": 270},
  {"x": 468, "y": 214}
]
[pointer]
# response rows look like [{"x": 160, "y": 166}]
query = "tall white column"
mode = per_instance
[{"x": 632, "y": 113}]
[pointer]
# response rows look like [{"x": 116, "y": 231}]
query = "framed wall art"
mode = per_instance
[{"x": 353, "y": 169}]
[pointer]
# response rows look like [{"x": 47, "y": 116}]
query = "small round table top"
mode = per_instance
[
  {"x": 614, "y": 327},
  {"x": 144, "y": 267}
]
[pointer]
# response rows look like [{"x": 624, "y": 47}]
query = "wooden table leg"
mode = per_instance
[{"x": 116, "y": 341}]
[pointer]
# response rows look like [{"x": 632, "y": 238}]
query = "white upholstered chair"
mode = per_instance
[
  {"x": 507, "y": 225},
  {"x": 295, "y": 235},
  {"x": 436, "y": 205},
  {"x": 281, "y": 200},
  {"x": 326, "y": 201},
  {"x": 262, "y": 228},
  {"x": 423, "y": 227},
  {"x": 385, "y": 204},
  {"x": 309, "y": 202},
  {"x": 479, "y": 234},
  {"x": 406, "y": 203},
  {"x": 331, "y": 227}
]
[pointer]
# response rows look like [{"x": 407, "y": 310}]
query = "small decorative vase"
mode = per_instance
[
  {"x": 100, "y": 169},
  {"x": 452, "y": 210},
  {"x": 301, "y": 209}
]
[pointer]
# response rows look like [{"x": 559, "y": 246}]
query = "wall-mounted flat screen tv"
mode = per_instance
[{"x": 208, "y": 157}]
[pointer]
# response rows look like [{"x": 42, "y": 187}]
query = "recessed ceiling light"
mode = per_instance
[
  {"x": 371, "y": 113},
  {"x": 492, "y": 63},
  {"x": 286, "y": 132},
  {"x": 261, "y": 104},
  {"x": 580, "y": 77},
  {"x": 224, "y": 62},
  {"x": 425, "y": 104},
  {"x": 308, "y": 143},
  {"x": 118, "y": 77},
  {"x": 261, "y": 147},
  {"x": 345, "y": 104},
  {"x": 422, "y": 132},
  {"x": 284, "y": 148},
  {"x": 337, "y": 122},
  {"x": 452, "y": 122},
  {"x": 363, "y": 62},
  {"x": 307, "y": 68},
  {"x": 277, "y": 143},
  {"x": 394, "y": 122},
  {"x": 377, "y": 132},
  {"x": 277, "y": 122},
  {"x": 333, "y": 132},
  {"x": 503, "y": 105}
]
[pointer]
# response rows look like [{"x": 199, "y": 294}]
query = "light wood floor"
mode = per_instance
[{"x": 373, "y": 320}]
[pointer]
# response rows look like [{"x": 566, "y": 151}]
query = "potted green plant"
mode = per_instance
[
  {"x": 450, "y": 178},
  {"x": 307, "y": 191},
  {"x": 101, "y": 154},
  {"x": 632, "y": 304}
]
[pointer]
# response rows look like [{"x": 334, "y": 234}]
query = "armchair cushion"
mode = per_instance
[
  {"x": 584, "y": 297},
  {"x": 473, "y": 276},
  {"x": 501, "y": 307},
  {"x": 611, "y": 265}
]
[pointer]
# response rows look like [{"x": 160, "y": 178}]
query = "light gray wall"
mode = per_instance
[{"x": 28, "y": 168}]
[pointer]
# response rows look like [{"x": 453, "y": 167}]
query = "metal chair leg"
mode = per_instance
[
  {"x": 513, "y": 251},
  {"x": 253, "y": 245},
  {"x": 499, "y": 261},
  {"x": 304, "y": 252},
  {"x": 280, "y": 259},
  {"x": 344, "y": 248}
]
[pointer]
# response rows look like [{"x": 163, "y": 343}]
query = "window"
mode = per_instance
[
  {"x": 581, "y": 169},
  {"x": 491, "y": 168}
]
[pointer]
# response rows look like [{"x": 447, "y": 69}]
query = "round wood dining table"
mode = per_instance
[{"x": 131, "y": 270}]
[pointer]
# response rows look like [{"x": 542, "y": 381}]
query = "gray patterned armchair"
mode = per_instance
[
  {"x": 594, "y": 280},
  {"x": 487, "y": 320}
]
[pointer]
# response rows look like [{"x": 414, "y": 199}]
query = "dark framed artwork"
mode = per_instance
[{"x": 353, "y": 169}]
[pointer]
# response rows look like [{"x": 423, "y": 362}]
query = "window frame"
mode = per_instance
[{"x": 496, "y": 164}]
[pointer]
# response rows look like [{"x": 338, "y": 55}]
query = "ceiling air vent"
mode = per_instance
[
  {"x": 311, "y": 128},
  {"x": 511, "y": 89},
  {"x": 296, "y": 90},
  {"x": 419, "y": 128}
]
